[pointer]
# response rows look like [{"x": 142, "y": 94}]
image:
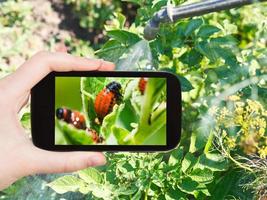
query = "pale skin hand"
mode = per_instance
[{"x": 18, "y": 156}]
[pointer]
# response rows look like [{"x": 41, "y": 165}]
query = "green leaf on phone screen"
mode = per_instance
[{"x": 73, "y": 135}]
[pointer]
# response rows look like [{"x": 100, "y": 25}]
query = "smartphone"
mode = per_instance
[{"x": 106, "y": 111}]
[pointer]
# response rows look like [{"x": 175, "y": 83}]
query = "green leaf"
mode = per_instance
[
  {"x": 192, "y": 26},
  {"x": 125, "y": 191},
  {"x": 90, "y": 175},
  {"x": 112, "y": 50},
  {"x": 207, "y": 30},
  {"x": 137, "y": 195},
  {"x": 202, "y": 175},
  {"x": 224, "y": 185},
  {"x": 188, "y": 162},
  {"x": 172, "y": 194},
  {"x": 185, "y": 84},
  {"x": 225, "y": 40},
  {"x": 66, "y": 183},
  {"x": 73, "y": 135},
  {"x": 191, "y": 58},
  {"x": 197, "y": 141},
  {"x": 127, "y": 115},
  {"x": 26, "y": 120},
  {"x": 208, "y": 50},
  {"x": 109, "y": 121},
  {"x": 212, "y": 161},
  {"x": 176, "y": 156},
  {"x": 121, "y": 19},
  {"x": 120, "y": 134},
  {"x": 228, "y": 55},
  {"x": 180, "y": 29},
  {"x": 124, "y": 37},
  {"x": 102, "y": 191},
  {"x": 188, "y": 185}
]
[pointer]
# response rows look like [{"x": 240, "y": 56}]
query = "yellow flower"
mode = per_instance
[
  {"x": 262, "y": 123},
  {"x": 238, "y": 119},
  {"x": 254, "y": 106},
  {"x": 263, "y": 152},
  {"x": 234, "y": 98},
  {"x": 261, "y": 132},
  {"x": 231, "y": 142},
  {"x": 239, "y": 110},
  {"x": 249, "y": 119},
  {"x": 225, "y": 111}
]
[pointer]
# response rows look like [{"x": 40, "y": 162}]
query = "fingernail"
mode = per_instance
[
  {"x": 97, "y": 160},
  {"x": 108, "y": 63}
]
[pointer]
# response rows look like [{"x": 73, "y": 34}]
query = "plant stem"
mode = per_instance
[
  {"x": 85, "y": 93},
  {"x": 239, "y": 164},
  {"x": 146, "y": 193},
  {"x": 209, "y": 143}
]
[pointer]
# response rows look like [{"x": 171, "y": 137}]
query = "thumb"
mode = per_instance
[{"x": 62, "y": 162}]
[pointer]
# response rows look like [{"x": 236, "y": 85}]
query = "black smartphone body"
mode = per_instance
[{"x": 106, "y": 111}]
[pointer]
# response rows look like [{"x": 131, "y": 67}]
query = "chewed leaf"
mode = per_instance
[
  {"x": 130, "y": 87},
  {"x": 109, "y": 121},
  {"x": 74, "y": 135},
  {"x": 93, "y": 85}
]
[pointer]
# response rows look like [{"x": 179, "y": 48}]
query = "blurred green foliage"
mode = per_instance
[
  {"x": 93, "y": 15},
  {"x": 68, "y": 93}
]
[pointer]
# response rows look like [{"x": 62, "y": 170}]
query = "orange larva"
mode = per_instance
[{"x": 107, "y": 98}]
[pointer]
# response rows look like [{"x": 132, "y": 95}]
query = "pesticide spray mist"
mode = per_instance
[{"x": 138, "y": 57}]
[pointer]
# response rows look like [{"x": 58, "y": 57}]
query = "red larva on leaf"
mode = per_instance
[
  {"x": 107, "y": 98},
  {"x": 142, "y": 85},
  {"x": 75, "y": 118}
]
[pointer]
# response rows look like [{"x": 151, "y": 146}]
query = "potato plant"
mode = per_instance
[
  {"x": 220, "y": 59},
  {"x": 210, "y": 57}
]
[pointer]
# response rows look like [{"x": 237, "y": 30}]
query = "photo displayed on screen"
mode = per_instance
[{"x": 110, "y": 111}]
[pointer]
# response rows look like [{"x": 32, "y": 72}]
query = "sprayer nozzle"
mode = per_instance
[{"x": 150, "y": 32}]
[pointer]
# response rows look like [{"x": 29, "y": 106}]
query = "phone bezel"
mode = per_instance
[{"x": 43, "y": 112}]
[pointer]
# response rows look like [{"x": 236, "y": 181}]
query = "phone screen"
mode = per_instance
[{"x": 110, "y": 111}]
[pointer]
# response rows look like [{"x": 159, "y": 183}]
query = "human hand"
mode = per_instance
[{"x": 18, "y": 156}]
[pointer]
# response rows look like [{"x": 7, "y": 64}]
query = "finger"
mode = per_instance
[
  {"x": 41, "y": 64},
  {"x": 62, "y": 162},
  {"x": 22, "y": 101}
]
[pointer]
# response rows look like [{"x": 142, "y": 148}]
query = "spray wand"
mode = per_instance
[{"x": 172, "y": 14}]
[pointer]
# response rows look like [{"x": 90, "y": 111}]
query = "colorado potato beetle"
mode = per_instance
[
  {"x": 75, "y": 118},
  {"x": 107, "y": 98},
  {"x": 142, "y": 85}
]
